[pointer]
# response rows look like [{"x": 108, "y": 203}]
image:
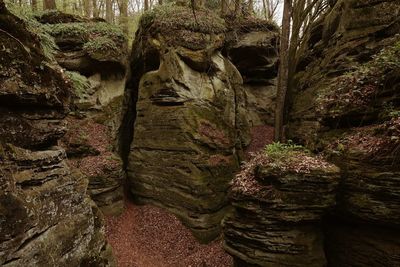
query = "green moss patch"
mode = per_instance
[
  {"x": 169, "y": 17},
  {"x": 79, "y": 82},
  {"x": 101, "y": 40}
]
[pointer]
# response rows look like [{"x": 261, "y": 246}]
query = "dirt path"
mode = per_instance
[{"x": 146, "y": 236}]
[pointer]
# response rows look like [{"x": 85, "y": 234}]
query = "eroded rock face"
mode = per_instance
[
  {"x": 346, "y": 103},
  {"x": 94, "y": 54},
  {"x": 190, "y": 122},
  {"x": 278, "y": 206},
  {"x": 252, "y": 48},
  {"x": 46, "y": 217}
]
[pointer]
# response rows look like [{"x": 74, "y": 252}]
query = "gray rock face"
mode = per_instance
[
  {"x": 278, "y": 210},
  {"x": 46, "y": 217}
]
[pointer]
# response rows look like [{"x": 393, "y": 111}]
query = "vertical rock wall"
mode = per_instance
[
  {"x": 46, "y": 217},
  {"x": 94, "y": 56},
  {"x": 190, "y": 114},
  {"x": 346, "y": 102}
]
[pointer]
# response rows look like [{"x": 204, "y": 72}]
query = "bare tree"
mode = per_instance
[
  {"x": 49, "y": 4},
  {"x": 283, "y": 75},
  {"x": 34, "y": 5},
  {"x": 109, "y": 11}
]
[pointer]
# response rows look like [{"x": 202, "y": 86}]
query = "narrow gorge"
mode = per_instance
[{"x": 156, "y": 150}]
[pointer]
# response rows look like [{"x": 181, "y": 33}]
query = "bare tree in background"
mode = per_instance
[
  {"x": 49, "y": 4},
  {"x": 283, "y": 75},
  {"x": 109, "y": 11},
  {"x": 34, "y": 5},
  {"x": 270, "y": 8}
]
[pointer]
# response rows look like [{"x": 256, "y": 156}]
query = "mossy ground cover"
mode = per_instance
[
  {"x": 79, "y": 83},
  {"x": 170, "y": 17},
  {"x": 100, "y": 40}
]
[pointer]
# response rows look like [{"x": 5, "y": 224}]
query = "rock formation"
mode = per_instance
[
  {"x": 186, "y": 110},
  {"x": 252, "y": 47},
  {"x": 346, "y": 103},
  {"x": 186, "y": 136},
  {"x": 46, "y": 217},
  {"x": 94, "y": 53},
  {"x": 279, "y": 199}
]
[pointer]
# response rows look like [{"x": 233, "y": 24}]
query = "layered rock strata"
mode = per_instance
[
  {"x": 278, "y": 206},
  {"x": 252, "y": 47},
  {"x": 46, "y": 217},
  {"x": 188, "y": 106},
  {"x": 346, "y": 102},
  {"x": 94, "y": 55}
]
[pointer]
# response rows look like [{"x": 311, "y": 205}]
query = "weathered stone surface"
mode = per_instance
[
  {"x": 346, "y": 102},
  {"x": 253, "y": 50},
  {"x": 362, "y": 245},
  {"x": 46, "y": 217},
  {"x": 278, "y": 205},
  {"x": 95, "y": 56},
  {"x": 89, "y": 148},
  {"x": 189, "y": 119}
]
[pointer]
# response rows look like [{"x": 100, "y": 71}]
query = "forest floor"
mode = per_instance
[{"x": 147, "y": 236}]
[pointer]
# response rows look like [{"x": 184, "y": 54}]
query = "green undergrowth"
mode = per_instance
[
  {"x": 47, "y": 43},
  {"x": 100, "y": 39},
  {"x": 171, "y": 17},
  {"x": 280, "y": 150},
  {"x": 79, "y": 82},
  {"x": 87, "y": 31}
]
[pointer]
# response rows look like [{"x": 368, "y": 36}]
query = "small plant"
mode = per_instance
[
  {"x": 80, "y": 83},
  {"x": 278, "y": 149}
]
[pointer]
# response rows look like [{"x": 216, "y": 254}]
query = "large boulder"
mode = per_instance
[
  {"x": 279, "y": 198},
  {"x": 46, "y": 217},
  {"x": 189, "y": 120}
]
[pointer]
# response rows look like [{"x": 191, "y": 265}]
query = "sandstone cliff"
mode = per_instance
[
  {"x": 46, "y": 217},
  {"x": 345, "y": 104},
  {"x": 94, "y": 55},
  {"x": 186, "y": 118}
]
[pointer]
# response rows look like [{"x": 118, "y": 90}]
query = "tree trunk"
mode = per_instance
[
  {"x": 34, "y": 5},
  {"x": 65, "y": 5},
  {"x": 146, "y": 5},
  {"x": 109, "y": 11},
  {"x": 160, "y": 2},
  {"x": 283, "y": 78},
  {"x": 237, "y": 7},
  {"x": 250, "y": 8},
  {"x": 96, "y": 10},
  {"x": 87, "y": 4},
  {"x": 49, "y": 4},
  {"x": 124, "y": 16},
  {"x": 224, "y": 6}
]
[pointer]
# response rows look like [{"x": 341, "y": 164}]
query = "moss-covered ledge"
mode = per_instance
[{"x": 279, "y": 198}]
